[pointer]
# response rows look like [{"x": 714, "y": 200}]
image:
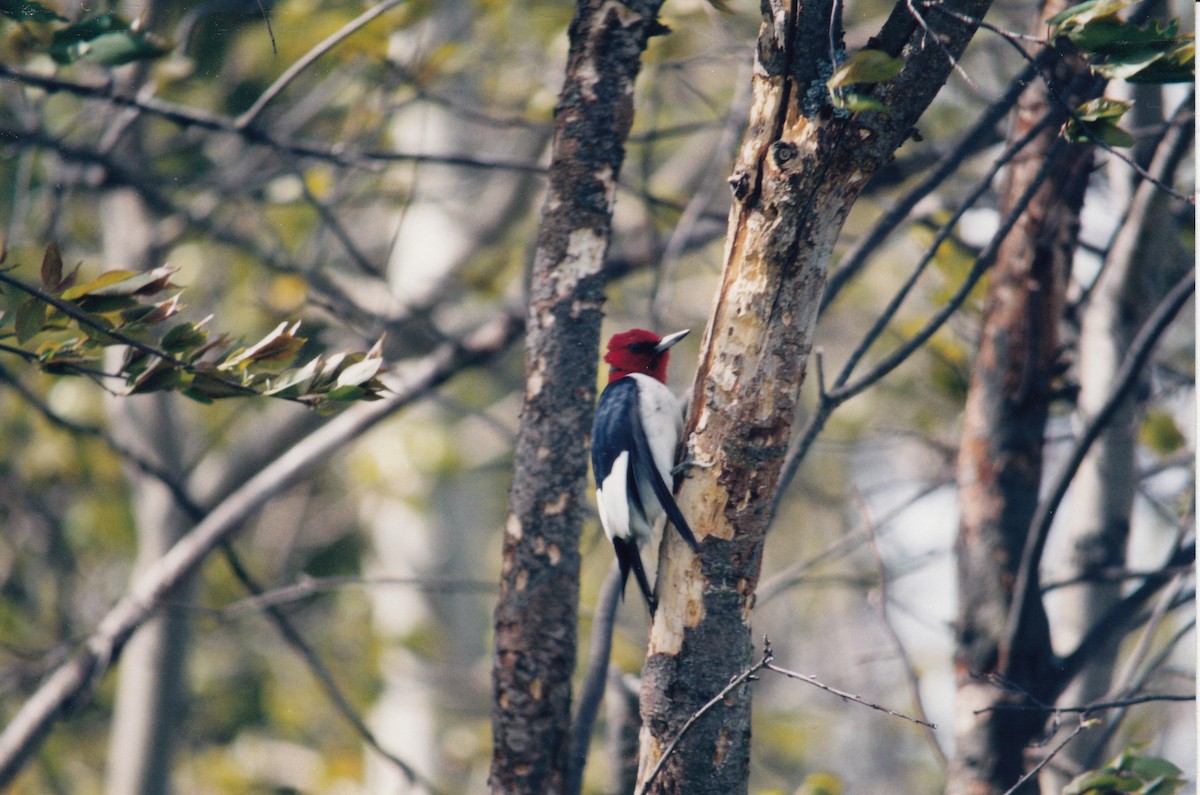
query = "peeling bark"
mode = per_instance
[
  {"x": 535, "y": 619},
  {"x": 1004, "y": 660},
  {"x": 801, "y": 167}
]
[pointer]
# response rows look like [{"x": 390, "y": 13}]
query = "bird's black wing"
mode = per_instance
[{"x": 643, "y": 464}]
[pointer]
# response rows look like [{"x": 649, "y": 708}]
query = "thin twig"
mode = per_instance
[
  {"x": 1074, "y": 116},
  {"x": 267, "y": 20},
  {"x": 701, "y": 197},
  {"x": 812, "y": 680},
  {"x": 1011, "y": 35},
  {"x": 1114, "y": 721},
  {"x": 308, "y": 587},
  {"x": 734, "y": 683},
  {"x": 1087, "y": 709},
  {"x": 338, "y": 154},
  {"x": 929, "y": 34},
  {"x": 881, "y": 608},
  {"x": 1083, "y": 724},
  {"x": 246, "y": 119},
  {"x": 797, "y": 572}
]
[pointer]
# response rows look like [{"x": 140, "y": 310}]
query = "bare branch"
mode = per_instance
[
  {"x": 1123, "y": 613},
  {"x": 1140, "y": 351},
  {"x": 338, "y": 154},
  {"x": 842, "y": 694},
  {"x": 307, "y": 587},
  {"x": 321, "y": 672},
  {"x": 844, "y": 389},
  {"x": 856, "y": 258},
  {"x": 797, "y": 572},
  {"x": 1099, "y": 706},
  {"x": 252, "y": 113}
]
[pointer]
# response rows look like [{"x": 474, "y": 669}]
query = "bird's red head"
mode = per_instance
[{"x": 640, "y": 351}]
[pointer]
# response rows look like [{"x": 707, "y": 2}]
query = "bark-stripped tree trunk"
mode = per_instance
[
  {"x": 535, "y": 620},
  {"x": 1001, "y": 659},
  {"x": 1101, "y": 500},
  {"x": 801, "y": 166}
]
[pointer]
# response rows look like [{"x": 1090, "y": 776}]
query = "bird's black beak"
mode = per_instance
[{"x": 670, "y": 340}]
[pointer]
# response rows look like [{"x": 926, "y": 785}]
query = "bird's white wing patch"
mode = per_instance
[
  {"x": 662, "y": 422},
  {"x": 611, "y": 500}
]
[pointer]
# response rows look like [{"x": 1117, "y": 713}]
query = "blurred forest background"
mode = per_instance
[{"x": 376, "y": 170}]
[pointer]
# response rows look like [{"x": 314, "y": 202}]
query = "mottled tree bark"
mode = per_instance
[
  {"x": 535, "y": 620},
  {"x": 1003, "y": 660},
  {"x": 801, "y": 167}
]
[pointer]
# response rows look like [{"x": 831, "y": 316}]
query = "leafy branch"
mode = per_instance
[{"x": 64, "y": 327}]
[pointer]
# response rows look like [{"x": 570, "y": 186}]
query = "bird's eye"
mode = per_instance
[{"x": 641, "y": 347}]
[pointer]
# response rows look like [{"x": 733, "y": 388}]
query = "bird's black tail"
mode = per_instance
[{"x": 629, "y": 558}]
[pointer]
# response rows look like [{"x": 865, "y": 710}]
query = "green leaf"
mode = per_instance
[
  {"x": 1160, "y": 433},
  {"x": 1097, "y": 121},
  {"x": 866, "y": 66},
  {"x": 100, "y": 282},
  {"x": 1086, "y": 12},
  {"x": 1162, "y": 786},
  {"x": 213, "y": 387},
  {"x": 347, "y": 393},
  {"x": 30, "y": 319},
  {"x": 1102, "y": 781},
  {"x": 183, "y": 337},
  {"x": 280, "y": 345},
  {"x": 858, "y": 103},
  {"x": 1098, "y": 132},
  {"x": 292, "y": 383},
  {"x": 52, "y": 266},
  {"x": 143, "y": 283},
  {"x": 160, "y": 377},
  {"x": 149, "y": 314},
  {"x": 359, "y": 373},
  {"x": 1153, "y": 767},
  {"x": 107, "y": 39},
  {"x": 1176, "y": 66},
  {"x": 28, "y": 11},
  {"x": 1103, "y": 108}
]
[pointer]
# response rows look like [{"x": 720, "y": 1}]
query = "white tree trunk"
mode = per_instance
[
  {"x": 1143, "y": 263},
  {"x": 150, "y": 692}
]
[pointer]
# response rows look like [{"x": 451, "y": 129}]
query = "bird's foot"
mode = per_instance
[{"x": 689, "y": 463}]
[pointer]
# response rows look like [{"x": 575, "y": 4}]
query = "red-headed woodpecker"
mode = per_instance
[{"x": 638, "y": 422}]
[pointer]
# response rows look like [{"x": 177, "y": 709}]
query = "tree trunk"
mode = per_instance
[
  {"x": 801, "y": 166},
  {"x": 998, "y": 669},
  {"x": 150, "y": 696},
  {"x": 1097, "y": 527},
  {"x": 535, "y": 619}
]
